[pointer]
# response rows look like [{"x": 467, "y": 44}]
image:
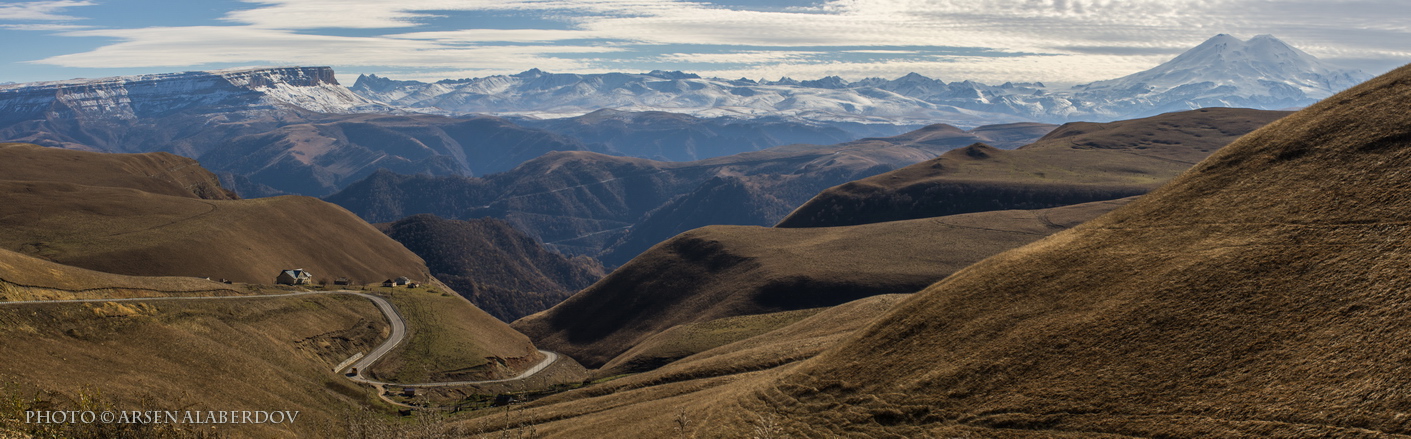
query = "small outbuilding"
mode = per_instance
[
  {"x": 342, "y": 281},
  {"x": 296, "y": 276},
  {"x": 388, "y": 283},
  {"x": 409, "y": 392}
]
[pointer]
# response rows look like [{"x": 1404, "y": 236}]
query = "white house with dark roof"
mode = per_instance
[{"x": 297, "y": 276}]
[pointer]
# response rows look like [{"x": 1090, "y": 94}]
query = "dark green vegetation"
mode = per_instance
[
  {"x": 724, "y": 271},
  {"x": 1261, "y": 294},
  {"x": 500, "y": 269},
  {"x": 615, "y": 207},
  {"x": 1076, "y": 163}
]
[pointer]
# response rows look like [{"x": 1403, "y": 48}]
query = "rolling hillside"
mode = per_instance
[
  {"x": 127, "y": 231},
  {"x": 723, "y": 271},
  {"x": 1261, "y": 294},
  {"x": 1076, "y": 163},
  {"x": 158, "y": 173},
  {"x": 245, "y": 353}
]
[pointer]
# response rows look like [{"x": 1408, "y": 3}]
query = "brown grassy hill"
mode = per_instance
[
  {"x": 738, "y": 344},
  {"x": 451, "y": 340},
  {"x": 944, "y": 137},
  {"x": 158, "y": 173},
  {"x": 1076, "y": 163},
  {"x": 27, "y": 278},
  {"x": 1262, "y": 294},
  {"x": 132, "y": 232},
  {"x": 723, "y": 271},
  {"x": 607, "y": 407},
  {"x": 500, "y": 269},
  {"x": 250, "y": 354},
  {"x": 683, "y": 341}
]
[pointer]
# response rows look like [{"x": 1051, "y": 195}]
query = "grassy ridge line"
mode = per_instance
[
  {"x": 142, "y": 299},
  {"x": 388, "y": 310},
  {"x": 194, "y": 355},
  {"x": 7, "y": 282}
]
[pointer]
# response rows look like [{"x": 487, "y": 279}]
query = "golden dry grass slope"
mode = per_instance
[
  {"x": 723, "y": 271},
  {"x": 24, "y": 278},
  {"x": 157, "y": 172},
  {"x": 1076, "y": 163},
  {"x": 595, "y": 411},
  {"x": 128, "y": 214},
  {"x": 247, "y": 353},
  {"x": 1261, "y": 294},
  {"x": 254, "y": 353},
  {"x": 239, "y": 354}
]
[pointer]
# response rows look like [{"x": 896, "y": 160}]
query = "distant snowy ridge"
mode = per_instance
[
  {"x": 1262, "y": 73},
  {"x": 1224, "y": 71},
  {"x": 131, "y": 97},
  {"x": 553, "y": 95}
]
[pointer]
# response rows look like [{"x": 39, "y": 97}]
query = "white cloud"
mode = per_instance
[
  {"x": 43, "y": 27},
  {"x": 39, "y": 11},
  {"x": 747, "y": 57},
  {"x": 1047, "y": 40},
  {"x": 198, "y": 45},
  {"x": 372, "y": 14},
  {"x": 499, "y": 35}
]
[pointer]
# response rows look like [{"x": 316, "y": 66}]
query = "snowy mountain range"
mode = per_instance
[
  {"x": 262, "y": 91},
  {"x": 1224, "y": 71}
]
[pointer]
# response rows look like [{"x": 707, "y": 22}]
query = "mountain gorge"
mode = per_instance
[
  {"x": 585, "y": 203},
  {"x": 500, "y": 269}
]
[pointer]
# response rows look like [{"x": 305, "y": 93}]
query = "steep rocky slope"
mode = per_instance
[{"x": 500, "y": 269}]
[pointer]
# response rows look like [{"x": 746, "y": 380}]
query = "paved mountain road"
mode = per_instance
[{"x": 394, "y": 318}]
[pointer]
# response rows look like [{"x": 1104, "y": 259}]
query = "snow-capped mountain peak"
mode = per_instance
[
  {"x": 1262, "y": 66},
  {"x": 244, "y": 90}
]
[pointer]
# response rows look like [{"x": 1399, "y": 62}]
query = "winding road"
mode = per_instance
[{"x": 394, "y": 318}]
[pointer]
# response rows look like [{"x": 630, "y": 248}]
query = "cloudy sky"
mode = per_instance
[{"x": 1057, "y": 41}]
